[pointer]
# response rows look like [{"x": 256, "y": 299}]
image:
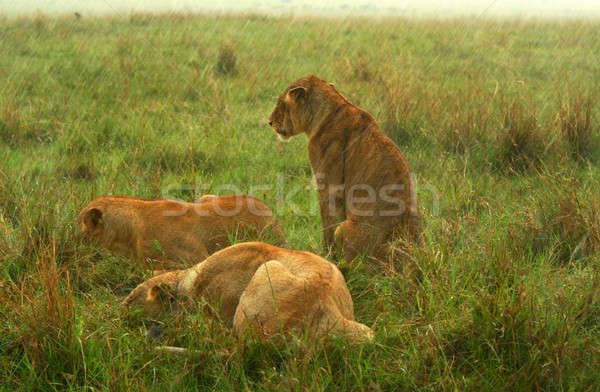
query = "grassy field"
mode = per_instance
[{"x": 498, "y": 120}]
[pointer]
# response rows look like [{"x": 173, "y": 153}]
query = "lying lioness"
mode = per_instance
[
  {"x": 261, "y": 287},
  {"x": 365, "y": 190},
  {"x": 173, "y": 231}
]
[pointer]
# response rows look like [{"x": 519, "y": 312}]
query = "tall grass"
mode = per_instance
[
  {"x": 577, "y": 126},
  {"x": 520, "y": 141},
  {"x": 502, "y": 295}
]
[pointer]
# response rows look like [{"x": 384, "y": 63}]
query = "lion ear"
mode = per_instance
[
  {"x": 93, "y": 220},
  {"x": 332, "y": 85},
  {"x": 297, "y": 93},
  {"x": 163, "y": 292}
]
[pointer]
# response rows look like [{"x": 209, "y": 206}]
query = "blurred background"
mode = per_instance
[
  {"x": 494, "y": 103},
  {"x": 490, "y": 8}
]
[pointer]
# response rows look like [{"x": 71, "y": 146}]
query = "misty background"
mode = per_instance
[{"x": 450, "y": 8}]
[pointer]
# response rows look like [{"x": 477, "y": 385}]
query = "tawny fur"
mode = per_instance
[
  {"x": 260, "y": 287},
  {"x": 170, "y": 232},
  {"x": 348, "y": 153}
]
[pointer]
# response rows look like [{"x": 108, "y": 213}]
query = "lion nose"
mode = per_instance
[{"x": 271, "y": 123}]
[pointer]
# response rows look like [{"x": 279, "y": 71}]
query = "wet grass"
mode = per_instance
[{"x": 498, "y": 120}]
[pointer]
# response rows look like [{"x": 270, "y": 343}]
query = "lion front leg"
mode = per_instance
[
  {"x": 348, "y": 240},
  {"x": 328, "y": 168},
  {"x": 355, "y": 239},
  {"x": 332, "y": 214}
]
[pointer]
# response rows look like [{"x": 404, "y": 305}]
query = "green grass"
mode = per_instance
[{"x": 498, "y": 120}]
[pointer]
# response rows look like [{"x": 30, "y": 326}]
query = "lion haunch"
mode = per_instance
[
  {"x": 174, "y": 231},
  {"x": 366, "y": 195},
  {"x": 263, "y": 288}
]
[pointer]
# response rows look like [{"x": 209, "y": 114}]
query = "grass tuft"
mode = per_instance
[
  {"x": 577, "y": 127},
  {"x": 466, "y": 125},
  {"x": 402, "y": 101},
  {"x": 563, "y": 226},
  {"x": 520, "y": 143},
  {"x": 226, "y": 62},
  {"x": 44, "y": 323}
]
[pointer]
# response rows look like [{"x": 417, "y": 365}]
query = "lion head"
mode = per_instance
[
  {"x": 302, "y": 106},
  {"x": 91, "y": 223},
  {"x": 156, "y": 294},
  {"x": 288, "y": 114}
]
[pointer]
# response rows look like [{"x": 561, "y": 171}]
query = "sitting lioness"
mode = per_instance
[
  {"x": 261, "y": 287},
  {"x": 169, "y": 231},
  {"x": 364, "y": 183}
]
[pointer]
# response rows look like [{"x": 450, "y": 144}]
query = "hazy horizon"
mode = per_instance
[{"x": 426, "y": 8}]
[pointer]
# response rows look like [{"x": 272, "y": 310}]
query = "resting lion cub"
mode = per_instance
[
  {"x": 261, "y": 287},
  {"x": 364, "y": 183},
  {"x": 173, "y": 231}
]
